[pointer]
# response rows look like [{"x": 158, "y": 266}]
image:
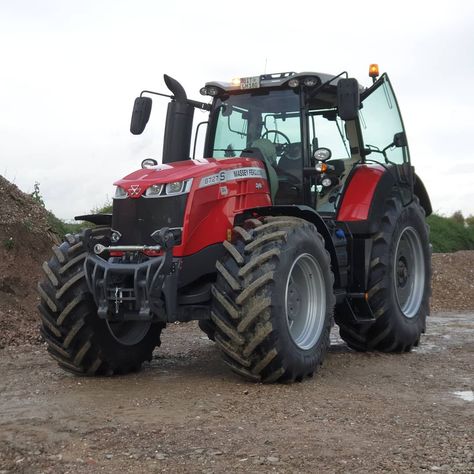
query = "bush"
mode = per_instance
[
  {"x": 457, "y": 217},
  {"x": 61, "y": 227},
  {"x": 450, "y": 234},
  {"x": 106, "y": 208}
]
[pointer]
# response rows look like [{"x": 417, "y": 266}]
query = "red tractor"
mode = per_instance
[{"x": 308, "y": 212}]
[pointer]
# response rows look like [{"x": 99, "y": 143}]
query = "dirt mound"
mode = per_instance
[
  {"x": 26, "y": 239},
  {"x": 453, "y": 281},
  {"x": 25, "y": 242}
]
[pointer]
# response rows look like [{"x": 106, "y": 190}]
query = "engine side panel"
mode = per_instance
[{"x": 211, "y": 211}]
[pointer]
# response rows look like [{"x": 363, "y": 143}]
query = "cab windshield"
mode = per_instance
[
  {"x": 244, "y": 118},
  {"x": 267, "y": 124}
]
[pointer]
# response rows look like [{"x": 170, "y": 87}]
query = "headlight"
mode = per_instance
[
  {"x": 293, "y": 83},
  {"x": 175, "y": 188},
  {"x": 154, "y": 190},
  {"x": 170, "y": 189},
  {"x": 120, "y": 193},
  {"x": 149, "y": 163},
  {"x": 310, "y": 81},
  {"x": 322, "y": 154}
]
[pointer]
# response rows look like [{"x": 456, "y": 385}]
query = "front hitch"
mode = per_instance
[{"x": 127, "y": 290}]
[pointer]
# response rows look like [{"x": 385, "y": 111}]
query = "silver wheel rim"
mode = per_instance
[
  {"x": 409, "y": 272},
  {"x": 128, "y": 333},
  {"x": 305, "y": 301}
]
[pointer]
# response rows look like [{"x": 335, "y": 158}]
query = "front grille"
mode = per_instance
[{"x": 137, "y": 219}]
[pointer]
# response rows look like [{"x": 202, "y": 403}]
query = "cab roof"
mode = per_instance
[{"x": 273, "y": 80}]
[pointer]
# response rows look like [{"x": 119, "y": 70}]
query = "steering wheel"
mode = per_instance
[{"x": 276, "y": 132}]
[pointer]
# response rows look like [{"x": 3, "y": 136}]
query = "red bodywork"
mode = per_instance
[
  {"x": 213, "y": 202},
  {"x": 360, "y": 191}
]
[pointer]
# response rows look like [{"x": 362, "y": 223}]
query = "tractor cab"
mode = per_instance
[{"x": 310, "y": 130}]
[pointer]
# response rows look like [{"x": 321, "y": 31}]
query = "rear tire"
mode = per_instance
[
  {"x": 76, "y": 338},
  {"x": 399, "y": 283},
  {"x": 273, "y": 300}
]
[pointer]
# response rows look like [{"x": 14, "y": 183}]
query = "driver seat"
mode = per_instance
[
  {"x": 266, "y": 151},
  {"x": 290, "y": 161}
]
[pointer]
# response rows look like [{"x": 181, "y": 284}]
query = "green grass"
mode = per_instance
[{"x": 450, "y": 234}]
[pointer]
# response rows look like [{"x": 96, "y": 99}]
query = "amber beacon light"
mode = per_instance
[{"x": 374, "y": 71}]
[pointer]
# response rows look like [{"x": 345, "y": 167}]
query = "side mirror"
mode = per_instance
[
  {"x": 348, "y": 98},
  {"x": 140, "y": 115},
  {"x": 400, "y": 139}
]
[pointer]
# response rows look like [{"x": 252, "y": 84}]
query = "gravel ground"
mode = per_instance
[{"x": 185, "y": 412}]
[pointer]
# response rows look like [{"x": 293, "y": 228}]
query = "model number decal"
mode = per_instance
[{"x": 231, "y": 175}]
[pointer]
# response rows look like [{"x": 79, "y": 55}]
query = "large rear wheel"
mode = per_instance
[
  {"x": 273, "y": 300},
  {"x": 399, "y": 283},
  {"x": 76, "y": 337}
]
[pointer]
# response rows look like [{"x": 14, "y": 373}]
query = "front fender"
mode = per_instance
[{"x": 303, "y": 212}]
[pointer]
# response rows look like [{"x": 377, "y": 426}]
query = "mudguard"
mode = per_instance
[
  {"x": 97, "y": 219},
  {"x": 303, "y": 212},
  {"x": 363, "y": 201},
  {"x": 422, "y": 194}
]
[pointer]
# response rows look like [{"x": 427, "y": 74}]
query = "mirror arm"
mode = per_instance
[
  {"x": 315, "y": 91},
  {"x": 199, "y": 105},
  {"x": 194, "y": 103},
  {"x": 156, "y": 93}
]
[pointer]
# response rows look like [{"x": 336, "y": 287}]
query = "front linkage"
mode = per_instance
[{"x": 129, "y": 287}]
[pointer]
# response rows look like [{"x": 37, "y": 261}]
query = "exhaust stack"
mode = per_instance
[{"x": 179, "y": 124}]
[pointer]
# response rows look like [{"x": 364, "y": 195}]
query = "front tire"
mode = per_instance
[
  {"x": 76, "y": 338},
  {"x": 273, "y": 300},
  {"x": 208, "y": 328},
  {"x": 399, "y": 283}
]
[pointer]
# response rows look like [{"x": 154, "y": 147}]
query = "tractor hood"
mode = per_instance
[{"x": 136, "y": 183}]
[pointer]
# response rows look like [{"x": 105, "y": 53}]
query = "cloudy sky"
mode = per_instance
[{"x": 71, "y": 69}]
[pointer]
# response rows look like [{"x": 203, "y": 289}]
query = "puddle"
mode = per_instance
[{"x": 466, "y": 395}]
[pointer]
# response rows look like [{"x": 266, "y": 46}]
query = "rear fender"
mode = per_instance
[
  {"x": 363, "y": 201},
  {"x": 422, "y": 194}
]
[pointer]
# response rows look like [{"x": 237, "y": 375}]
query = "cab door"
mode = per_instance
[{"x": 382, "y": 127}]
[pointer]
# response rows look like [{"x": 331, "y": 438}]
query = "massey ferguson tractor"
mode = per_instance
[{"x": 304, "y": 211}]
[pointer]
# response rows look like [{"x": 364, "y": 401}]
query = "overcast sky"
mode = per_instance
[{"x": 70, "y": 71}]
